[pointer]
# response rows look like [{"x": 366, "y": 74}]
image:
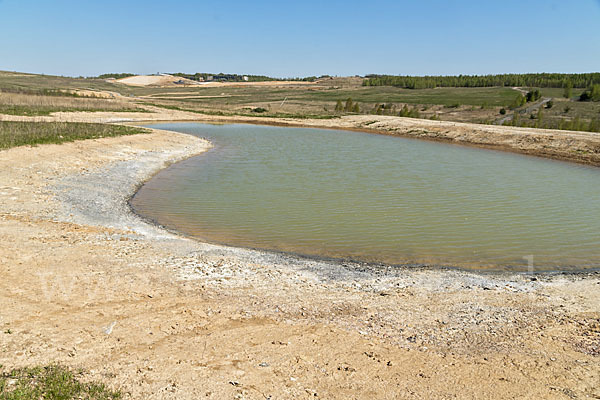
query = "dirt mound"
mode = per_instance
[{"x": 156, "y": 80}]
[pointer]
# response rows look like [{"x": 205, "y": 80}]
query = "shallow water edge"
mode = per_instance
[{"x": 363, "y": 262}]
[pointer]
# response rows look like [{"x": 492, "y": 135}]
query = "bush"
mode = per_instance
[
  {"x": 592, "y": 94},
  {"x": 349, "y": 105},
  {"x": 259, "y": 110},
  {"x": 533, "y": 95},
  {"x": 518, "y": 102},
  {"x": 502, "y": 111},
  {"x": 549, "y": 104}
]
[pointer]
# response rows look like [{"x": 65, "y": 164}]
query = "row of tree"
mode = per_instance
[
  {"x": 119, "y": 75},
  {"x": 521, "y": 100},
  {"x": 510, "y": 80},
  {"x": 349, "y": 106},
  {"x": 538, "y": 121},
  {"x": 378, "y": 109}
]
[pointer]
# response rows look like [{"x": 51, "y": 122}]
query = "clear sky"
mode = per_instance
[{"x": 299, "y": 38}]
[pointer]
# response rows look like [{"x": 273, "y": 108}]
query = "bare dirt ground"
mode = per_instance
[
  {"x": 166, "y": 80},
  {"x": 88, "y": 284}
]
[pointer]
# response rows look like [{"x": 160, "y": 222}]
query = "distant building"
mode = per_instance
[{"x": 245, "y": 78}]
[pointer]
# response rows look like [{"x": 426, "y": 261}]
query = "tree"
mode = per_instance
[
  {"x": 533, "y": 95},
  {"x": 356, "y": 108},
  {"x": 549, "y": 104},
  {"x": 592, "y": 94},
  {"x": 516, "y": 120},
  {"x": 349, "y": 105},
  {"x": 568, "y": 92},
  {"x": 518, "y": 101},
  {"x": 339, "y": 106}
]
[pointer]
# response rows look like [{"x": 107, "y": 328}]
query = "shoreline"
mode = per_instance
[
  {"x": 542, "y": 149},
  {"x": 571, "y": 146},
  {"x": 192, "y": 317},
  {"x": 472, "y": 268}
]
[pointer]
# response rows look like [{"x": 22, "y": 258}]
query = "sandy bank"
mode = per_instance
[
  {"x": 87, "y": 283},
  {"x": 581, "y": 147}
]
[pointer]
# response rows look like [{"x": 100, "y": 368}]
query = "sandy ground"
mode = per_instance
[
  {"x": 155, "y": 80},
  {"x": 166, "y": 80},
  {"x": 88, "y": 284}
]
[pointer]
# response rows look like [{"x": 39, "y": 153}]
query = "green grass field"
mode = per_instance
[{"x": 13, "y": 134}]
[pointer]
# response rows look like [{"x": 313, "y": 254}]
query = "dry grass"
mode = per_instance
[{"x": 32, "y": 104}]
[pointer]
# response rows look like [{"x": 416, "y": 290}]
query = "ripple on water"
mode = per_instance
[{"x": 379, "y": 199}]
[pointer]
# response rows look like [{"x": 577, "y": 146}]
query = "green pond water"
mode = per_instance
[{"x": 375, "y": 198}]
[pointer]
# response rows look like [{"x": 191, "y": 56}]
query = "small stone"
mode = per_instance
[{"x": 263, "y": 364}]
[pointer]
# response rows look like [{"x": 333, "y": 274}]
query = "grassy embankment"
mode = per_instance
[
  {"x": 489, "y": 105},
  {"x": 39, "y": 95},
  {"x": 13, "y": 134},
  {"x": 475, "y": 105},
  {"x": 52, "y": 383}
]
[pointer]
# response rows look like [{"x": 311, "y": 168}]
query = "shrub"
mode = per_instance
[
  {"x": 502, "y": 111},
  {"x": 533, "y": 95},
  {"x": 518, "y": 102},
  {"x": 592, "y": 94},
  {"x": 349, "y": 105}
]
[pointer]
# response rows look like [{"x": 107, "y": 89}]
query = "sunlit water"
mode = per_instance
[{"x": 375, "y": 198}]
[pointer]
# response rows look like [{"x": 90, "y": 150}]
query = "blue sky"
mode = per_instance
[{"x": 284, "y": 39}]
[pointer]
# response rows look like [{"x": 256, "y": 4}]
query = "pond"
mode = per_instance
[{"x": 375, "y": 198}]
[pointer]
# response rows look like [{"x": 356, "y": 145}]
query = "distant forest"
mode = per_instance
[
  {"x": 114, "y": 75},
  {"x": 544, "y": 80}
]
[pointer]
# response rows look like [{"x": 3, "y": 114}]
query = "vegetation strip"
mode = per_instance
[{"x": 13, "y": 134}]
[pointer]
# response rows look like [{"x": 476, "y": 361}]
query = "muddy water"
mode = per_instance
[{"x": 375, "y": 198}]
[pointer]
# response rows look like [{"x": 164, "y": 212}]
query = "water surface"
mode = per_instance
[{"x": 376, "y": 198}]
